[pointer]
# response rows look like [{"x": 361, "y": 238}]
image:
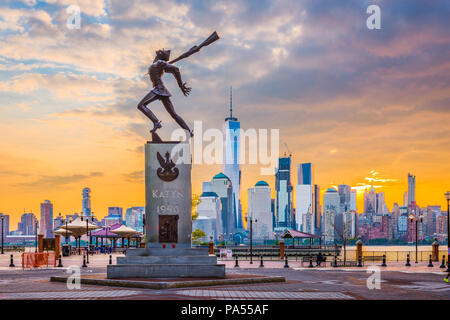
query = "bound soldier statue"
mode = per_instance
[{"x": 160, "y": 65}]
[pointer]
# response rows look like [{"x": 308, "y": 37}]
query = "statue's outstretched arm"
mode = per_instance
[{"x": 177, "y": 74}]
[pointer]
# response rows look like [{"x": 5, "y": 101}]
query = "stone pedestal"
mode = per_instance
[
  {"x": 435, "y": 250},
  {"x": 167, "y": 252},
  {"x": 359, "y": 245}
]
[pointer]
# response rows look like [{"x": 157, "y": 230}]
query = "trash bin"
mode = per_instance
[{"x": 66, "y": 250}]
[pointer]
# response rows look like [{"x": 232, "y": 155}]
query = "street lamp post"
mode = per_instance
[
  {"x": 35, "y": 249},
  {"x": 3, "y": 231},
  {"x": 251, "y": 237},
  {"x": 412, "y": 218},
  {"x": 106, "y": 241},
  {"x": 447, "y": 196}
]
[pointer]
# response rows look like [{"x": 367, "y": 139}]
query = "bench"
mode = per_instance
[
  {"x": 373, "y": 258},
  {"x": 348, "y": 263},
  {"x": 314, "y": 259}
]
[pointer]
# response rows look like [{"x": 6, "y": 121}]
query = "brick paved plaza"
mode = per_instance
[{"x": 397, "y": 282}]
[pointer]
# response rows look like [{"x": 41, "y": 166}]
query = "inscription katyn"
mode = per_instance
[{"x": 174, "y": 194}]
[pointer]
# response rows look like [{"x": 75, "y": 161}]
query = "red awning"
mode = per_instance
[{"x": 290, "y": 233}]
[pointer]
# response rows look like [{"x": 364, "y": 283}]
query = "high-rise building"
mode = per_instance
[
  {"x": 317, "y": 210},
  {"x": 395, "y": 216},
  {"x": 350, "y": 220},
  {"x": 405, "y": 199},
  {"x": 259, "y": 209},
  {"x": 344, "y": 197},
  {"x": 209, "y": 215},
  {"x": 46, "y": 224},
  {"x": 86, "y": 202},
  {"x": 305, "y": 173},
  {"x": 222, "y": 186},
  {"x": 402, "y": 224},
  {"x": 441, "y": 224},
  {"x": 328, "y": 231},
  {"x": 27, "y": 224},
  {"x": 58, "y": 221},
  {"x": 284, "y": 215},
  {"x": 381, "y": 204},
  {"x": 432, "y": 213},
  {"x": 370, "y": 203},
  {"x": 353, "y": 205},
  {"x": 304, "y": 199},
  {"x": 331, "y": 200},
  {"x": 331, "y": 206},
  {"x": 411, "y": 188},
  {"x": 230, "y": 167},
  {"x": 134, "y": 218},
  {"x": 5, "y": 230},
  {"x": 115, "y": 212}
]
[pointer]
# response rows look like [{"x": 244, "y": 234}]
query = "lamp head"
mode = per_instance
[{"x": 447, "y": 195}]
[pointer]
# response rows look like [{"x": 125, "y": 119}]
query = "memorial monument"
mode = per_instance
[{"x": 168, "y": 224}]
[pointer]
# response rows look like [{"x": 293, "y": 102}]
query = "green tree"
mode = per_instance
[
  {"x": 197, "y": 234},
  {"x": 194, "y": 203}
]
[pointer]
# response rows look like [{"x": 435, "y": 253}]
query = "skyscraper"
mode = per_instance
[
  {"x": 331, "y": 205},
  {"x": 134, "y": 218},
  {"x": 222, "y": 186},
  {"x": 411, "y": 188},
  {"x": 259, "y": 208},
  {"x": 86, "y": 203},
  {"x": 46, "y": 219},
  {"x": 5, "y": 231},
  {"x": 304, "y": 201},
  {"x": 353, "y": 205},
  {"x": 331, "y": 200},
  {"x": 115, "y": 212},
  {"x": 344, "y": 197},
  {"x": 284, "y": 216},
  {"x": 27, "y": 224},
  {"x": 58, "y": 221},
  {"x": 209, "y": 215},
  {"x": 230, "y": 167},
  {"x": 317, "y": 210},
  {"x": 381, "y": 204},
  {"x": 370, "y": 203}
]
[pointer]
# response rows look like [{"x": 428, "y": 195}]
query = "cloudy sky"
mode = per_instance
[{"x": 359, "y": 104}]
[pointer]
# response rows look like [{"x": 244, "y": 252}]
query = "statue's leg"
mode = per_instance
[
  {"x": 142, "y": 106},
  {"x": 171, "y": 110}
]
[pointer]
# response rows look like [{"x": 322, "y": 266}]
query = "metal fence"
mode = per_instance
[
  {"x": 295, "y": 253},
  {"x": 394, "y": 256}
]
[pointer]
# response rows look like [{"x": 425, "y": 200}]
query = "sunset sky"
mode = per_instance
[{"x": 359, "y": 104}]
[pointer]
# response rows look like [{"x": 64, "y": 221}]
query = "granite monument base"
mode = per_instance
[{"x": 166, "y": 263}]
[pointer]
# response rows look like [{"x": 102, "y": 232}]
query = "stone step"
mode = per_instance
[
  {"x": 165, "y": 271},
  {"x": 206, "y": 259},
  {"x": 167, "y": 252}
]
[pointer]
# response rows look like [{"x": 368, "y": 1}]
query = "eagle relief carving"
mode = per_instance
[{"x": 168, "y": 171}]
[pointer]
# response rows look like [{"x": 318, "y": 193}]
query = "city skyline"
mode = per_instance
[
  {"x": 360, "y": 188},
  {"x": 350, "y": 100}
]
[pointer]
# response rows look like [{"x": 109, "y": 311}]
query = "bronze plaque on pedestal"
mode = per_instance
[{"x": 168, "y": 228}]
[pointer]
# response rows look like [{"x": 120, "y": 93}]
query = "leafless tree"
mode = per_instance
[{"x": 343, "y": 235}]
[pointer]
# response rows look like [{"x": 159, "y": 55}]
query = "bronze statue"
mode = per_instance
[{"x": 159, "y": 91}]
